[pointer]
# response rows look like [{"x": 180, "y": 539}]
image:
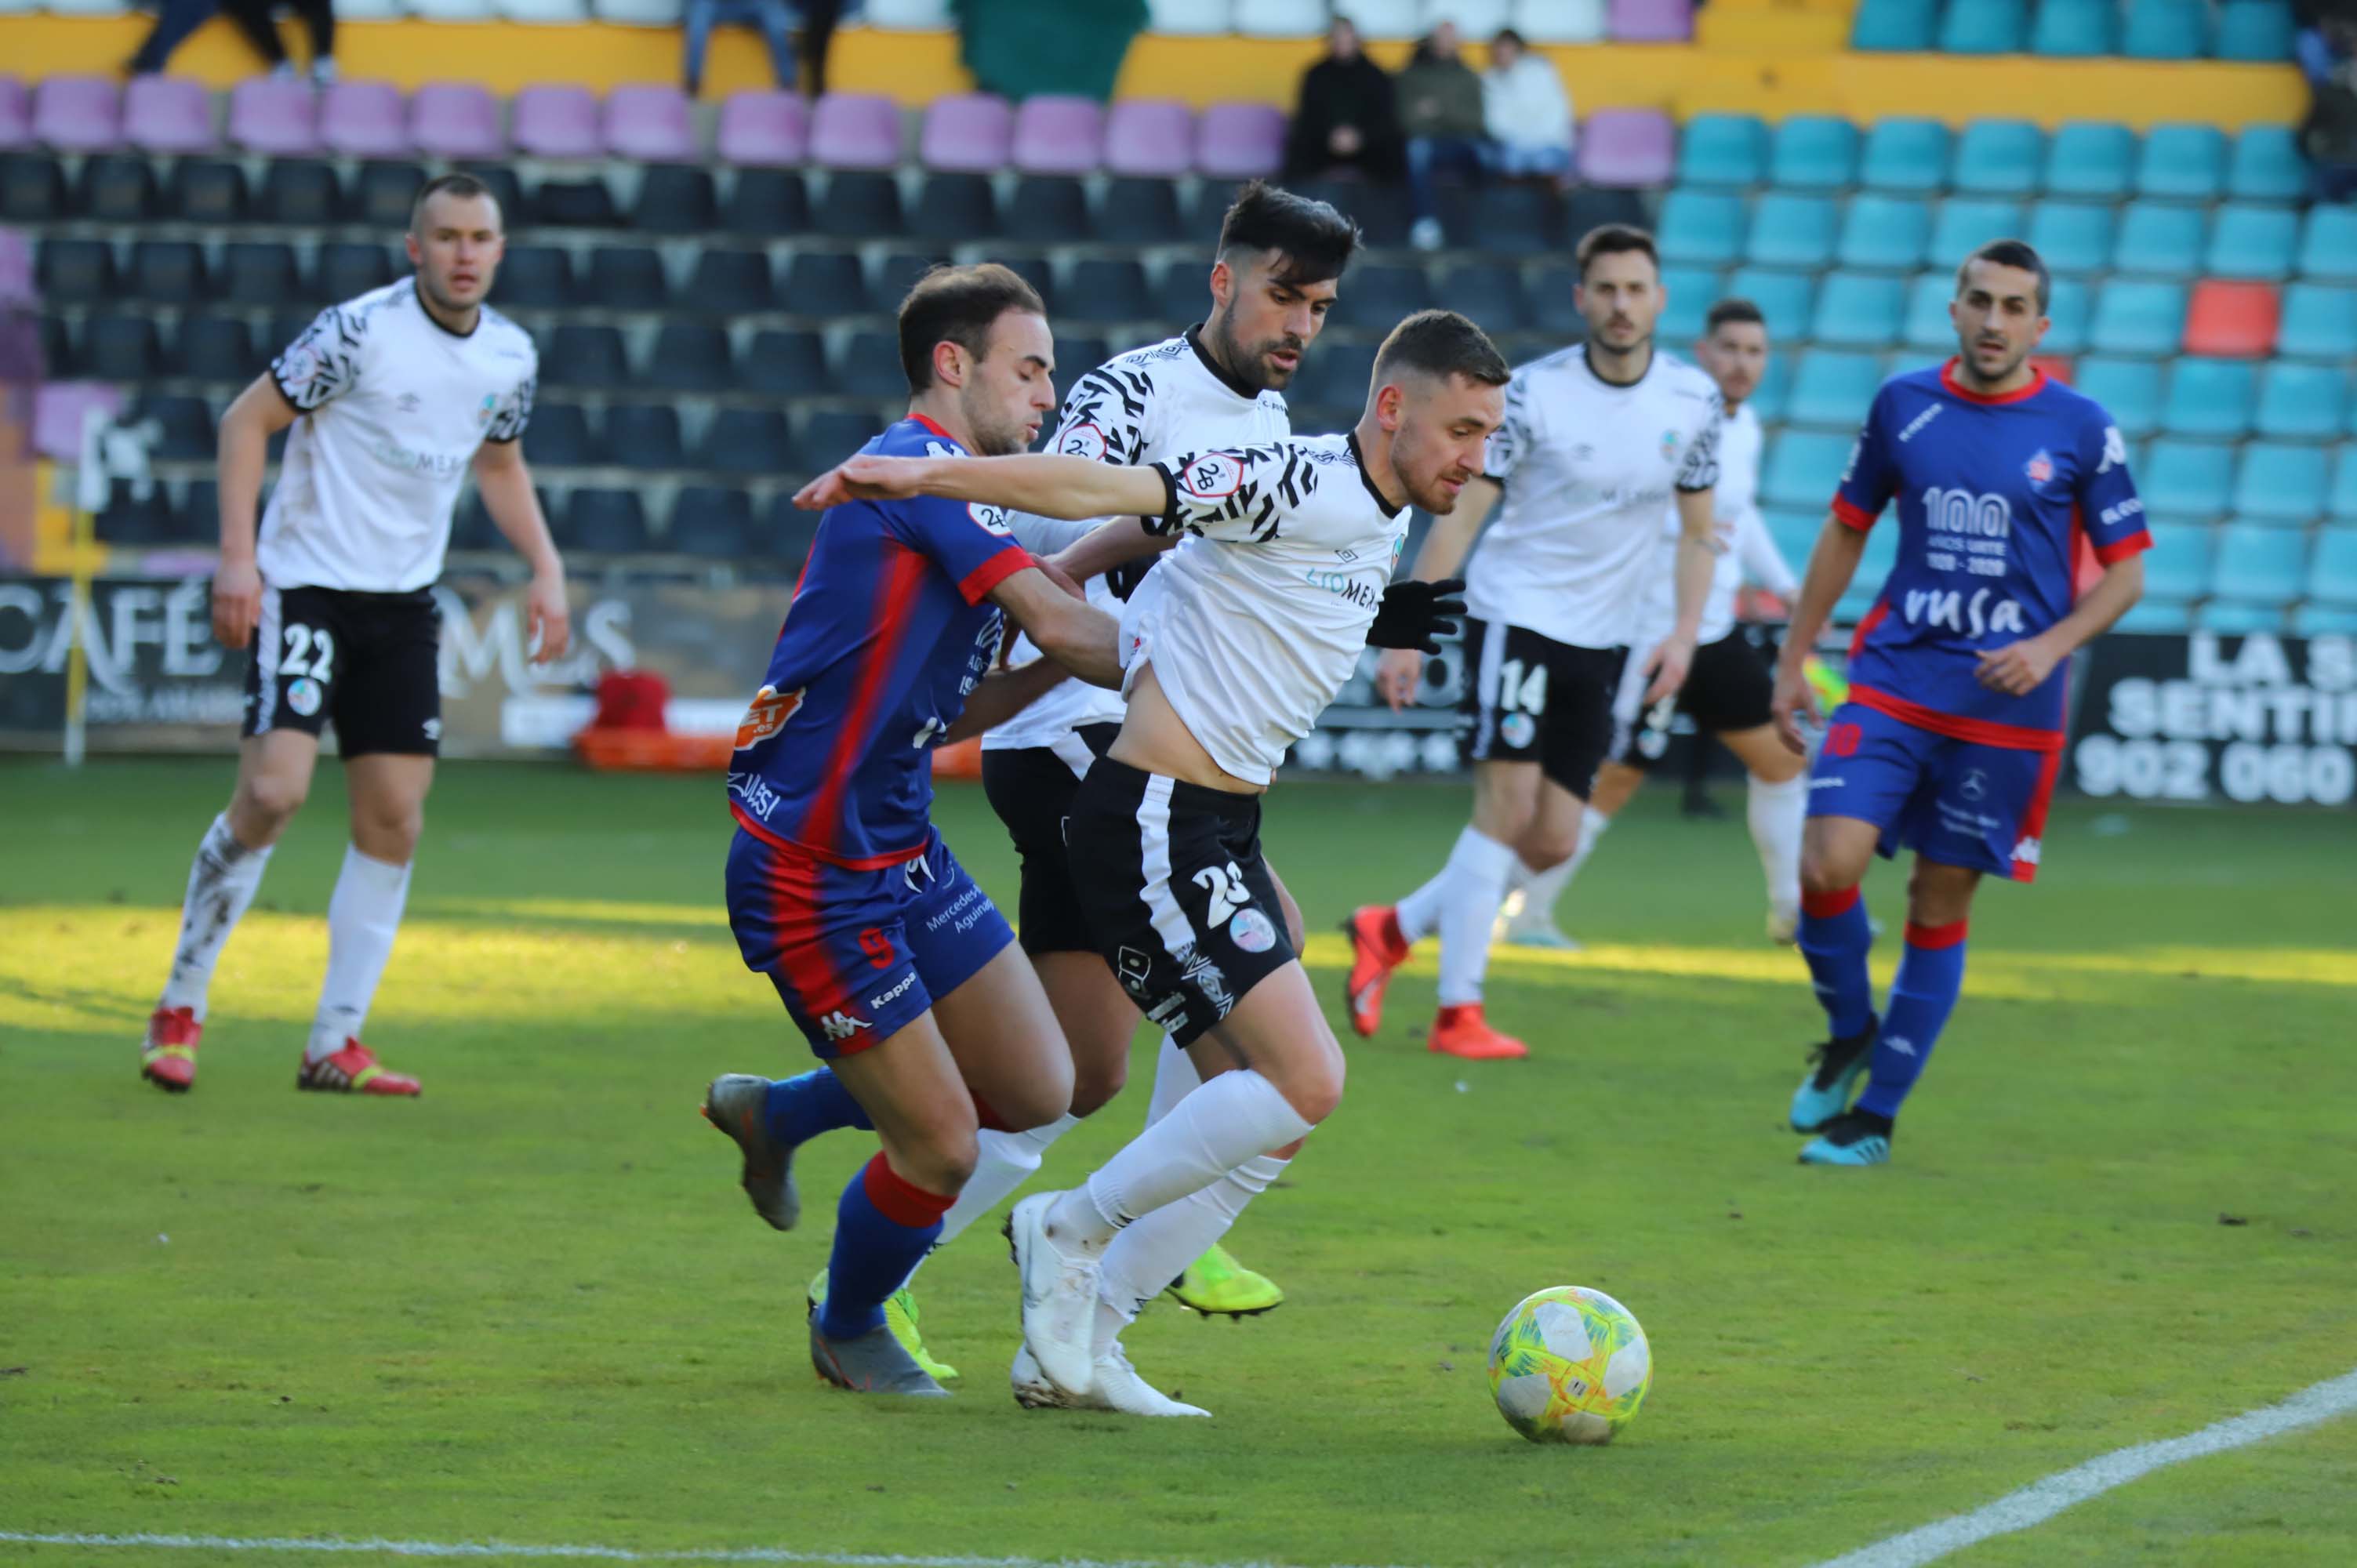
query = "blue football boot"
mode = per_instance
[
  {"x": 1852, "y": 1138},
  {"x": 1835, "y": 1067}
]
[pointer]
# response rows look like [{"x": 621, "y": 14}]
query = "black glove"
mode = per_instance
[{"x": 1413, "y": 614}]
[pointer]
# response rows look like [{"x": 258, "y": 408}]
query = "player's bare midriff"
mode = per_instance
[{"x": 1154, "y": 739}]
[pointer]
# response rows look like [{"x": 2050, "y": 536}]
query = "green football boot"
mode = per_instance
[
  {"x": 901, "y": 1318},
  {"x": 1215, "y": 1284}
]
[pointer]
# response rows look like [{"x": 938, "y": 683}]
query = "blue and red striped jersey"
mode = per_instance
[
  {"x": 888, "y": 633},
  {"x": 1993, "y": 495}
]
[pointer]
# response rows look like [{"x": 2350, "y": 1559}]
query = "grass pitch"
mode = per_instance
[{"x": 533, "y": 1307}]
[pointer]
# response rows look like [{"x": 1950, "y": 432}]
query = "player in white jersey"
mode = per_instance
[
  {"x": 1598, "y": 440},
  {"x": 1232, "y": 645},
  {"x": 393, "y": 397},
  {"x": 1727, "y": 691}
]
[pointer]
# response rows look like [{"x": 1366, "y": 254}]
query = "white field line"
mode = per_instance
[
  {"x": 2041, "y": 1500},
  {"x": 497, "y": 1548}
]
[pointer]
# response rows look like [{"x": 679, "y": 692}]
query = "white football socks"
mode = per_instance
[
  {"x": 1476, "y": 873},
  {"x": 222, "y": 882},
  {"x": 1175, "y": 1078},
  {"x": 1147, "y": 1256},
  {"x": 1229, "y": 1119},
  {"x": 364, "y": 916},
  {"x": 1541, "y": 890},
  {"x": 1418, "y": 914},
  {"x": 1005, "y": 1162},
  {"x": 1777, "y": 814}
]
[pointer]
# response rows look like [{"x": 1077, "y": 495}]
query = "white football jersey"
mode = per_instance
[
  {"x": 1588, "y": 468},
  {"x": 1139, "y": 407},
  {"x": 1256, "y": 619},
  {"x": 393, "y": 405},
  {"x": 1745, "y": 550}
]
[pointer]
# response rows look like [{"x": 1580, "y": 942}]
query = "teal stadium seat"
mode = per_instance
[
  {"x": 1833, "y": 388},
  {"x": 1701, "y": 228},
  {"x": 1984, "y": 27},
  {"x": 1804, "y": 467},
  {"x": 2332, "y": 570},
  {"x": 1813, "y": 152},
  {"x": 1898, "y": 26},
  {"x": 1723, "y": 150},
  {"x": 2182, "y": 163},
  {"x": 2266, "y": 164},
  {"x": 1795, "y": 533},
  {"x": 2319, "y": 322},
  {"x": 2075, "y": 29},
  {"x": 1926, "y": 325},
  {"x": 2210, "y": 397},
  {"x": 2328, "y": 242},
  {"x": 1968, "y": 222},
  {"x": 2301, "y": 402},
  {"x": 2160, "y": 239},
  {"x": 2189, "y": 477},
  {"x": 2279, "y": 482},
  {"x": 2341, "y": 500},
  {"x": 2091, "y": 158},
  {"x": 2267, "y": 566},
  {"x": 2166, "y": 29},
  {"x": 2253, "y": 242},
  {"x": 1906, "y": 156},
  {"x": 1775, "y": 387},
  {"x": 2255, "y": 30},
  {"x": 2135, "y": 317},
  {"x": 2239, "y": 618},
  {"x": 1998, "y": 158},
  {"x": 1785, "y": 298},
  {"x": 2180, "y": 561},
  {"x": 1789, "y": 231},
  {"x": 2069, "y": 309},
  {"x": 2323, "y": 620},
  {"x": 1694, "y": 289},
  {"x": 2154, "y": 616},
  {"x": 2129, "y": 390},
  {"x": 1884, "y": 231},
  {"x": 1873, "y": 567},
  {"x": 1859, "y": 310},
  {"x": 2074, "y": 236}
]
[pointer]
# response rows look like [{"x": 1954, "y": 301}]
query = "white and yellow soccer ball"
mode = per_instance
[{"x": 1569, "y": 1365}]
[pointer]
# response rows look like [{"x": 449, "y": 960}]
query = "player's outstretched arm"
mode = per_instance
[
  {"x": 2022, "y": 668},
  {"x": 514, "y": 506},
  {"x": 1047, "y": 483},
  {"x": 1832, "y": 564},
  {"x": 1446, "y": 546},
  {"x": 260, "y": 413},
  {"x": 1074, "y": 634},
  {"x": 1110, "y": 545}
]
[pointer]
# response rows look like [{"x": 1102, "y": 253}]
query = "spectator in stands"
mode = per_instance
[
  {"x": 1347, "y": 119},
  {"x": 1441, "y": 103},
  {"x": 254, "y": 19},
  {"x": 1526, "y": 111},
  {"x": 777, "y": 21},
  {"x": 2326, "y": 52}
]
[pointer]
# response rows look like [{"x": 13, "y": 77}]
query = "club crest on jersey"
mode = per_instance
[
  {"x": 2040, "y": 466},
  {"x": 1251, "y": 930},
  {"x": 302, "y": 695},
  {"x": 768, "y": 714},
  {"x": 1214, "y": 476},
  {"x": 490, "y": 406},
  {"x": 1668, "y": 444}
]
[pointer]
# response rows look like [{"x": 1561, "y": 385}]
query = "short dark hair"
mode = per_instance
[
  {"x": 458, "y": 185},
  {"x": 1316, "y": 240},
  {"x": 958, "y": 304},
  {"x": 1509, "y": 35},
  {"x": 1733, "y": 308},
  {"x": 1441, "y": 343},
  {"x": 1614, "y": 239},
  {"x": 2011, "y": 253}
]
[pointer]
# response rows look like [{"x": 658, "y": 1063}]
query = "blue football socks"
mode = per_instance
[
  {"x": 800, "y": 1109},
  {"x": 1923, "y": 994},
  {"x": 1834, "y": 936},
  {"x": 883, "y": 1227}
]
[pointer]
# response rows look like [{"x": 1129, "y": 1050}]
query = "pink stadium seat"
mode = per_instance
[
  {"x": 1628, "y": 147},
  {"x": 968, "y": 132},
  {"x": 2234, "y": 320},
  {"x": 456, "y": 120},
  {"x": 653, "y": 124},
  {"x": 1148, "y": 137},
  {"x": 364, "y": 120},
  {"x": 855, "y": 131},
  {"x": 167, "y": 114},
  {"x": 16, "y": 114},
  {"x": 1059, "y": 135},
  {"x": 556, "y": 122},
  {"x": 763, "y": 128},
  {"x": 58, "y": 411},
  {"x": 1652, "y": 21},
  {"x": 16, "y": 270},
  {"x": 277, "y": 118},
  {"x": 1240, "y": 141},
  {"x": 77, "y": 113}
]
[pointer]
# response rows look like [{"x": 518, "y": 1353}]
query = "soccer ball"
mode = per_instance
[{"x": 1569, "y": 1365}]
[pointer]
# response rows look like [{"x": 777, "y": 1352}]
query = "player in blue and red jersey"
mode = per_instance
[
  {"x": 896, "y": 968},
  {"x": 1950, "y": 740}
]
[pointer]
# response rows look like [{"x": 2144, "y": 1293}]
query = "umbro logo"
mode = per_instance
[{"x": 409, "y": 403}]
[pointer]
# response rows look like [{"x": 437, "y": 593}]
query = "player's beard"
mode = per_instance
[
  {"x": 1252, "y": 368},
  {"x": 993, "y": 436},
  {"x": 438, "y": 295},
  {"x": 1408, "y": 466}
]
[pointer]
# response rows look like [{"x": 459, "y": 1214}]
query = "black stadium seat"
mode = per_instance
[
  {"x": 1381, "y": 210},
  {"x": 826, "y": 284},
  {"x": 120, "y": 348},
  {"x": 283, "y": 328},
  {"x": 1489, "y": 292},
  {"x": 217, "y": 348},
  {"x": 133, "y": 519},
  {"x": 586, "y": 356},
  {"x": 1334, "y": 375},
  {"x": 785, "y": 533},
  {"x": 1139, "y": 210},
  {"x": 627, "y": 277},
  {"x": 534, "y": 278},
  {"x": 1375, "y": 296},
  {"x": 197, "y": 519},
  {"x": 1048, "y": 209},
  {"x": 575, "y": 204},
  {"x": 307, "y": 195},
  {"x": 784, "y": 362},
  {"x": 744, "y": 441},
  {"x": 871, "y": 366},
  {"x": 675, "y": 198},
  {"x": 1510, "y": 220},
  {"x": 899, "y": 274},
  {"x": 499, "y": 179},
  {"x": 829, "y": 435},
  {"x": 1551, "y": 309},
  {"x": 1182, "y": 295},
  {"x": 762, "y": 202},
  {"x": 691, "y": 357},
  {"x": 347, "y": 268},
  {"x": 954, "y": 208},
  {"x": 1593, "y": 206},
  {"x": 558, "y": 438},
  {"x": 1106, "y": 291},
  {"x": 603, "y": 521},
  {"x": 644, "y": 435},
  {"x": 206, "y": 190},
  {"x": 168, "y": 272},
  {"x": 32, "y": 189},
  {"x": 731, "y": 283},
  {"x": 186, "y": 425},
  {"x": 1035, "y": 271},
  {"x": 116, "y": 187},
  {"x": 260, "y": 273},
  {"x": 58, "y": 358},
  {"x": 1076, "y": 355},
  {"x": 860, "y": 205},
  {"x": 712, "y": 522},
  {"x": 76, "y": 272}
]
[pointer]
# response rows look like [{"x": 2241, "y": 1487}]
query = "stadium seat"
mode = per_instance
[
  {"x": 855, "y": 131},
  {"x": 675, "y": 198},
  {"x": 1491, "y": 294},
  {"x": 783, "y": 535},
  {"x": 2166, "y": 29},
  {"x": 1804, "y": 467},
  {"x": 77, "y": 114},
  {"x": 32, "y": 189},
  {"x": 276, "y": 117},
  {"x": 1812, "y": 152},
  {"x": 1984, "y": 27},
  {"x": 2075, "y": 29},
  {"x": 1792, "y": 230},
  {"x": 1649, "y": 21},
  {"x": 1833, "y": 388},
  {"x": 1181, "y": 293},
  {"x": 2253, "y": 242},
  {"x": 1239, "y": 140},
  {"x": 347, "y": 268},
  {"x": 116, "y": 187},
  {"x": 2129, "y": 390},
  {"x": 1887, "y": 231},
  {"x": 1379, "y": 295},
  {"x": 2073, "y": 236},
  {"x": 1280, "y": 19},
  {"x": 2091, "y": 158},
  {"x": 1775, "y": 390},
  {"x": 2160, "y": 239},
  {"x": 1873, "y": 569},
  {"x": 763, "y": 202},
  {"x": 555, "y": 122},
  {"x": 585, "y": 203},
  {"x": 184, "y": 427},
  {"x": 2261, "y": 565},
  {"x": 2328, "y": 244},
  {"x": 1855, "y": 310},
  {"x": 2178, "y": 564},
  {"x": 1048, "y": 210},
  {"x": 769, "y": 129},
  {"x": 1906, "y": 156},
  {"x": 216, "y": 349},
  {"x": 170, "y": 114},
  {"x": 456, "y": 120},
  {"x": 536, "y": 277},
  {"x": 1139, "y": 210},
  {"x": 558, "y": 438},
  {"x": 626, "y": 277},
  {"x": 1627, "y": 149},
  {"x": 909, "y": 14},
  {"x": 1106, "y": 291},
  {"x": 1925, "y": 324},
  {"x": 824, "y": 284},
  {"x": 1701, "y": 228},
  {"x": 2319, "y": 322},
  {"x": 132, "y": 518},
  {"x": 1335, "y": 376},
  {"x": 120, "y": 348},
  {"x": 1560, "y": 21},
  {"x": 1203, "y": 18},
  {"x": 1688, "y": 293},
  {"x": 2333, "y": 571},
  {"x": 588, "y": 356},
  {"x": 1522, "y": 220},
  {"x": 784, "y": 363},
  {"x": 2266, "y": 164},
  {"x": 2069, "y": 313},
  {"x": 1967, "y": 223},
  {"x": 2185, "y": 163},
  {"x": 170, "y": 272},
  {"x": 363, "y": 120},
  {"x": 827, "y": 436},
  {"x": 860, "y": 205},
  {"x": 2189, "y": 477},
  {"x": 2210, "y": 397},
  {"x": 1785, "y": 298},
  {"x": 953, "y": 209},
  {"x": 1148, "y": 137},
  {"x": 601, "y": 522},
  {"x": 966, "y": 132},
  {"x": 642, "y": 435},
  {"x": 650, "y": 123},
  {"x": 2232, "y": 320},
  {"x": 1998, "y": 158},
  {"x": 206, "y": 190},
  {"x": 15, "y": 113},
  {"x": 1725, "y": 151},
  {"x": 381, "y": 197},
  {"x": 2279, "y": 482},
  {"x": 2239, "y": 618},
  {"x": 2139, "y": 317},
  {"x": 1897, "y": 26},
  {"x": 1059, "y": 134},
  {"x": 2301, "y": 402},
  {"x": 2255, "y": 30},
  {"x": 2154, "y": 616},
  {"x": 753, "y": 440},
  {"x": 712, "y": 522}
]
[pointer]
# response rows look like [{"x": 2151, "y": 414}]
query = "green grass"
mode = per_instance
[{"x": 533, "y": 1307}]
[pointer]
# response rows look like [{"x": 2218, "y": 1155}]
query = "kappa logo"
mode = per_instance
[
  {"x": 768, "y": 714},
  {"x": 1916, "y": 425},
  {"x": 1212, "y": 476},
  {"x": 877, "y": 1003},
  {"x": 2115, "y": 450},
  {"x": 1901, "y": 1045},
  {"x": 842, "y": 1025}
]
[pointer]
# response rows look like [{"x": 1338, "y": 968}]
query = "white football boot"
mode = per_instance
[
  {"x": 1118, "y": 1387},
  {"x": 1060, "y": 1297}
]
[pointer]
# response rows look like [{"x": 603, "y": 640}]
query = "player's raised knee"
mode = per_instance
[
  {"x": 272, "y": 799},
  {"x": 1097, "y": 1081}
]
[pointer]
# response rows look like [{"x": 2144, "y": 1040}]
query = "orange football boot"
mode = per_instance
[
  {"x": 1461, "y": 1031},
  {"x": 169, "y": 1060},
  {"x": 353, "y": 1070},
  {"x": 1377, "y": 948}
]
